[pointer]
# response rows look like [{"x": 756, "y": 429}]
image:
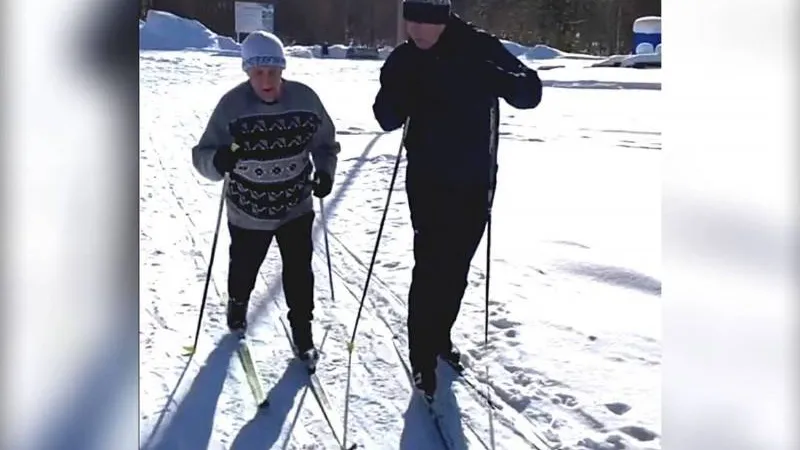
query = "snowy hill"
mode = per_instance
[{"x": 574, "y": 311}]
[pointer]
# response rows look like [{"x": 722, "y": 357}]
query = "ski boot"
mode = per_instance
[
  {"x": 237, "y": 316},
  {"x": 425, "y": 382},
  {"x": 304, "y": 346},
  {"x": 452, "y": 357}
]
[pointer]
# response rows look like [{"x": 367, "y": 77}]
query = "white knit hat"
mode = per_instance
[{"x": 262, "y": 48}]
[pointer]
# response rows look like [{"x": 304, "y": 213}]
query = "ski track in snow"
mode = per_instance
[{"x": 563, "y": 368}]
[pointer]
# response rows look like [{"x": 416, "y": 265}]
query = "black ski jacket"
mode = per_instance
[{"x": 450, "y": 92}]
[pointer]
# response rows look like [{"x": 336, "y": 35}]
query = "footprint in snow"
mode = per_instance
[
  {"x": 567, "y": 400},
  {"x": 639, "y": 433},
  {"x": 504, "y": 324},
  {"x": 611, "y": 443},
  {"x": 618, "y": 408}
]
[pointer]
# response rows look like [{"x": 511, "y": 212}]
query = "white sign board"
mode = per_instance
[{"x": 249, "y": 17}]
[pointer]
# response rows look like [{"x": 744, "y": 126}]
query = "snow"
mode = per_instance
[
  {"x": 647, "y": 25},
  {"x": 166, "y": 31},
  {"x": 575, "y": 311},
  {"x": 542, "y": 52},
  {"x": 642, "y": 58}
]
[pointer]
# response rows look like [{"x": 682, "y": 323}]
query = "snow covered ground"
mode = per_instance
[{"x": 575, "y": 312}]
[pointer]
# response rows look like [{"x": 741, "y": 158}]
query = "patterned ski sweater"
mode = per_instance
[{"x": 271, "y": 184}]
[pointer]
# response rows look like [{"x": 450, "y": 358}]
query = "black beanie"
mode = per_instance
[{"x": 426, "y": 11}]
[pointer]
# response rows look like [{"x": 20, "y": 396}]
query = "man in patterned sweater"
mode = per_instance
[{"x": 264, "y": 133}]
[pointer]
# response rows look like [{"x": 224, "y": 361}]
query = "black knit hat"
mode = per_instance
[{"x": 426, "y": 11}]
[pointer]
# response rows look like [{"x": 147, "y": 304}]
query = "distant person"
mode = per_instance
[
  {"x": 325, "y": 49},
  {"x": 447, "y": 80},
  {"x": 278, "y": 127}
]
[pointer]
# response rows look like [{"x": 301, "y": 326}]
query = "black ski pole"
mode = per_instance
[
  {"x": 492, "y": 185},
  {"x": 193, "y": 348},
  {"x": 225, "y": 182},
  {"x": 369, "y": 275},
  {"x": 327, "y": 248}
]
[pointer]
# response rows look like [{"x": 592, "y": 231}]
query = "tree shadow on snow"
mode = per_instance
[
  {"x": 192, "y": 423},
  {"x": 263, "y": 430},
  {"x": 420, "y": 430}
]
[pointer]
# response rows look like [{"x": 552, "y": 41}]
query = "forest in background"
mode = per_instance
[{"x": 582, "y": 26}]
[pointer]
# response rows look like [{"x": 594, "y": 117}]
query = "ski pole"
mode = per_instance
[
  {"x": 327, "y": 248},
  {"x": 494, "y": 145},
  {"x": 366, "y": 283},
  {"x": 210, "y": 264},
  {"x": 225, "y": 182}
]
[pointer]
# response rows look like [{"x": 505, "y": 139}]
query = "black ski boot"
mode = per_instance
[
  {"x": 304, "y": 346},
  {"x": 425, "y": 381},
  {"x": 237, "y": 315},
  {"x": 453, "y": 358}
]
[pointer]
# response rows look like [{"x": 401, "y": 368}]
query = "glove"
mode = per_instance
[
  {"x": 322, "y": 184},
  {"x": 225, "y": 158}
]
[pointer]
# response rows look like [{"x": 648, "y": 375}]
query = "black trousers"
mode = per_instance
[
  {"x": 247, "y": 252},
  {"x": 448, "y": 227}
]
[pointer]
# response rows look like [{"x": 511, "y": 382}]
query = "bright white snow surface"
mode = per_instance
[
  {"x": 575, "y": 255},
  {"x": 574, "y": 310}
]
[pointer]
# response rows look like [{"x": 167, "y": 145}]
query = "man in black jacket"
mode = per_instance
[{"x": 446, "y": 80}]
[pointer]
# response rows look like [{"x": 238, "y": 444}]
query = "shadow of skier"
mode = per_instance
[
  {"x": 447, "y": 402},
  {"x": 420, "y": 431},
  {"x": 263, "y": 430},
  {"x": 193, "y": 421}
]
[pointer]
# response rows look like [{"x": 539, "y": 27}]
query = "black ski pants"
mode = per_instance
[
  {"x": 247, "y": 252},
  {"x": 448, "y": 226}
]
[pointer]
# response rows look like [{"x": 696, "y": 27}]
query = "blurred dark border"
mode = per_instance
[{"x": 113, "y": 54}]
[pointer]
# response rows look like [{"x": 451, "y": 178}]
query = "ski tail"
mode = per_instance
[
  {"x": 427, "y": 399},
  {"x": 318, "y": 392}
]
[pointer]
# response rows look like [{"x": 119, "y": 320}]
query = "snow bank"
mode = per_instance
[
  {"x": 635, "y": 61},
  {"x": 166, "y": 31},
  {"x": 337, "y": 51},
  {"x": 539, "y": 52}
]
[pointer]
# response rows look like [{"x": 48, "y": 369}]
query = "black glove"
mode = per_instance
[
  {"x": 322, "y": 184},
  {"x": 225, "y": 159}
]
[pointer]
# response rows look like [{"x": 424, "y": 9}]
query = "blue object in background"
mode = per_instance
[{"x": 647, "y": 35}]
